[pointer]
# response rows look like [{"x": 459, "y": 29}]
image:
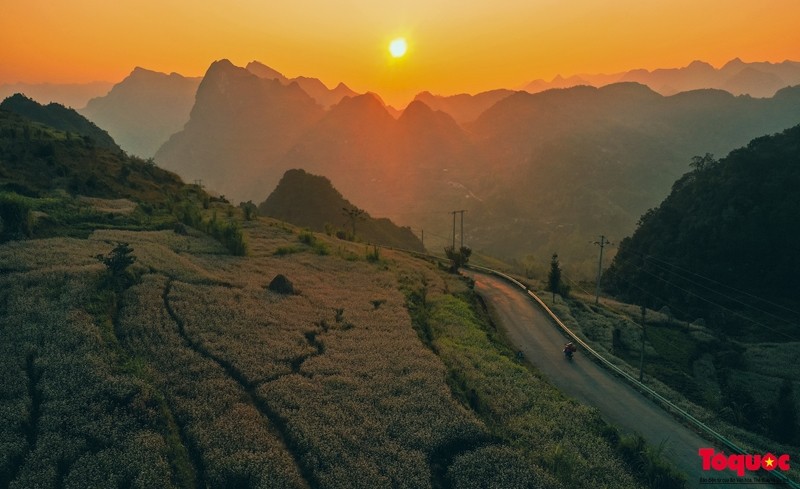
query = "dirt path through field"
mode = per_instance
[{"x": 530, "y": 330}]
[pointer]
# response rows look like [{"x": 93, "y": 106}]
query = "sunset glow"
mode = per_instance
[{"x": 468, "y": 47}]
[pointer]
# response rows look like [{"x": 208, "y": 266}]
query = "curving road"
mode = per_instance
[{"x": 530, "y": 330}]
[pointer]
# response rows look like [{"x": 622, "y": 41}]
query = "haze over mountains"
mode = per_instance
[
  {"x": 74, "y": 95},
  {"x": 144, "y": 109},
  {"x": 760, "y": 79},
  {"x": 537, "y": 172}
]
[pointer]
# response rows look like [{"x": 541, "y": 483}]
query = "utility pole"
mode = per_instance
[
  {"x": 602, "y": 243},
  {"x": 454, "y": 227},
  {"x": 462, "y": 228},
  {"x": 454, "y": 230},
  {"x": 641, "y": 360}
]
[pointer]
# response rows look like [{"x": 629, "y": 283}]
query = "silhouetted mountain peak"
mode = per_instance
[
  {"x": 142, "y": 77},
  {"x": 263, "y": 71},
  {"x": 343, "y": 90},
  {"x": 736, "y": 63},
  {"x": 222, "y": 67},
  {"x": 416, "y": 108},
  {"x": 420, "y": 112},
  {"x": 365, "y": 102},
  {"x": 698, "y": 65},
  {"x": 139, "y": 71},
  {"x": 632, "y": 90}
]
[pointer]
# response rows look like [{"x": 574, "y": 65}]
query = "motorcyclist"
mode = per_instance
[{"x": 569, "y": 349}]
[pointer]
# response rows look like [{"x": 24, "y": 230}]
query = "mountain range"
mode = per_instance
[
  {"x": 760, "y": 79},
  {"x": 537, "y": 172}
]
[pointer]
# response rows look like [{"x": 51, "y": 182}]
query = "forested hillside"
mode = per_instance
[
  {"x": 723, "y": 245},
  {"x": 58, "y": 117},
  {"x": 36, "y": 159}
]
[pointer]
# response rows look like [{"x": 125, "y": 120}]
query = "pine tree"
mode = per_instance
[{"x": 554, "y": 277}]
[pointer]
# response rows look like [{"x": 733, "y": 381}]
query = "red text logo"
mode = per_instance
[{"x": 740, "y": 463}]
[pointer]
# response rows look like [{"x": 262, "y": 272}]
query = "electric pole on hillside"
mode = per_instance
[
  {"x": 454, "y": 227},
  {"x": 602, "y": 243}
]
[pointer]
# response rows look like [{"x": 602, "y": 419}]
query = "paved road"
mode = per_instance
[{"x": 530, "y": 330}]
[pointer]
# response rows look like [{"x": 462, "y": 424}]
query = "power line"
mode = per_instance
[
  {"x": 748, "y": 294},
  {"x": 704, "y": 299},
  {"x": 715, "y": 291}
]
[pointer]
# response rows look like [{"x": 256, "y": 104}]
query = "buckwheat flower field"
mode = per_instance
[{"x": 196, "y": 374}]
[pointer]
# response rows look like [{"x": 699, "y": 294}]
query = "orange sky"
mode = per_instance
[{"x": 454, "y": 46}]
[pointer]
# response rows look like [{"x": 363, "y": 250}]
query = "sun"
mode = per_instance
[{"x": 398, "y": 47}]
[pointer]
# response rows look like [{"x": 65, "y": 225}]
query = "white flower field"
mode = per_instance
[{"x": 197, "y": 375}]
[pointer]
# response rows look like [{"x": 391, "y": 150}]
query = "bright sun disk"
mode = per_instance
[{"x": 398, "y": 47}]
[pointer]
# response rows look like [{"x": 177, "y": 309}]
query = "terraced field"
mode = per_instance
[{"x": 197, "y": 375}]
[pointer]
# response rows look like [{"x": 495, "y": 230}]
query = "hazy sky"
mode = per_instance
[{"x": 454, "y": 46}]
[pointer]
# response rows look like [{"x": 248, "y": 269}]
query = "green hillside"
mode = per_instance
[
  {"x": 723, "y": 245},
  {"x": 57, "y": 116},
  {"x": 36, "y": 159},
  {"x": 51, "y": 180}
]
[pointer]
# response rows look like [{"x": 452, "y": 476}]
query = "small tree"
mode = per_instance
[
  {"x": 117, "y": 263},
  {"x": 354, "y": 214},
  {"x": 554, "y": 277},
  {"x": 249, "y": 209},
  {"x": 458, "y": 258}
]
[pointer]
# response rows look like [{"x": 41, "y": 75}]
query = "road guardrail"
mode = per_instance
[{"x": 665, "y": 403}]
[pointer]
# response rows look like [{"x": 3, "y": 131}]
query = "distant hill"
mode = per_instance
[
  {"x": 463, "y": 107},
  {"x": 74, "y": 95},
  {"x": 317, "y": 90},
  {"x": 311, "y": 201},
  {"x": 36, "y": 159},
  {"x": 727, "y": 226},
  {"x": 537, "y": 173},
  {"x": 58, "y": 117},
  {"x": 142, "y": 111},
  {"x": 239, "y": 126},
  {"x": 569, "y": 165},
  {"x": 760, "y": 79}
]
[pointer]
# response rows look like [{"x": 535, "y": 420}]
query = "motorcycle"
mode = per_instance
[{"x": 569, "y": 350}]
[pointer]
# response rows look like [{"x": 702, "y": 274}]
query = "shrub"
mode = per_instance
[
  {"x": 249, "y": 209},
  {"x": 229, "y": 234},
  {"x": 374, "y": 256},
  {"x": 458, "y": 258},
  {"x": 117, "y": 263},
  {"x": 16, "y": 218}
]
